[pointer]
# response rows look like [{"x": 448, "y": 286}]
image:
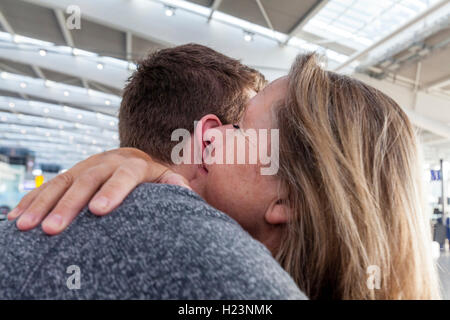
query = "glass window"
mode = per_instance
[{"x": 359, "y": 23}]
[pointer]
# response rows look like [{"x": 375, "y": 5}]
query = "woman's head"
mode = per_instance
[
  {"x": 347, "y": 194},
  {"x": 349, "y": 162},
  {"x": 237, "y": 186}
]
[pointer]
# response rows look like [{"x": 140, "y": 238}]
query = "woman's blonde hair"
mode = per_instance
[{"x": 349, "y": 159}]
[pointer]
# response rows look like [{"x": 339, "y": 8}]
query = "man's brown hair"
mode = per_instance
[{"x": 174, "y": 87}]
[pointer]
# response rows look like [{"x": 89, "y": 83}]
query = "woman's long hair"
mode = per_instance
[{"x": 349, "y": 160}]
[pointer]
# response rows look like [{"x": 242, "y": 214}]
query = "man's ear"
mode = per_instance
[
  {"x": 277, "y": 213},
  {"x": 206, "y": 122}
]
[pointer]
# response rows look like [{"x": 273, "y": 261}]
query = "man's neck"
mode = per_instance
[{"x": 188, "y": 171}]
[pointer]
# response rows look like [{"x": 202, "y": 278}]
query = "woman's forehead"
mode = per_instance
[
  {"x": 258, "y": 111},
  {"x": 274, "y": 91},
  {"x": 274, "y": 83}
]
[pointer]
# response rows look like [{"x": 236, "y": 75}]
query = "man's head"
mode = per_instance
[{"x": 174, "y": 87}]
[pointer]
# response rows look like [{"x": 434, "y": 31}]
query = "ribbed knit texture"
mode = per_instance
[{"x": 163, "y": 242}]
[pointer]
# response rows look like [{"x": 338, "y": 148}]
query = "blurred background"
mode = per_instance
[{"x": 64, "y": 63}]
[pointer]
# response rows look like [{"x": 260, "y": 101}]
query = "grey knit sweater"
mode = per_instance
[{"x": 163, "y": 242}]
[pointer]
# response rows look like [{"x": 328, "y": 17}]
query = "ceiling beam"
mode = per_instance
[
  {"x": 85, "y": 83},
  {"x": 436, "y": 141},
  {"x": 426, "y": 111},
  {"x": 61, "y": 93},
  {"x": 101, "y": 88},
  {"x": 265, "y": 15},
  {"x": 5, "y": 67},
  {"x": 7, "y": 27},
  {"x": 305, "y": 19},
  {"x": 216, "y": 4},
  {"x": 436, "y": 85},
  {"x": 129, "y": 46},
  {"x": 146, "y": 19},
  {"x": 62, "y": 26},
  {"x": 5, "y": 24},
  {"x": 82, "y": 67},
  {"x": 418, "y": 76},
  {"x": 85, "y": 67},
  {"x": 29, "y": 136},
  {"x": 45, "y": 146},
  {"x": 59, "y": 117},
  {"x": 362, "y": 53},
  {"x": 38, "y": 71},
  {"x": 426, "y": 123},
  {"x": 13, "y": 70},
  {"x": 27, "y": 133}
]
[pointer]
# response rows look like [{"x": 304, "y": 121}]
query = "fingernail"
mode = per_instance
[
  {"x": 13, "y": 214},
  {"x": 54, "y": 222},
  {"x": 175, "y": 179},
  {"x": 186, "y": 186},
  {"x": 101, "y": 203},
  {"x": 26, "y": 220}
]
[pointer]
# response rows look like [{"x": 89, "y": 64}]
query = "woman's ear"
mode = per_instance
[
  {"x": 206, "y": 122},
  {"x": 277, "y": 213}
]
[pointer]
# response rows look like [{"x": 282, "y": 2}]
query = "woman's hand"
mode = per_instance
[{"x": 116, "y": 173}]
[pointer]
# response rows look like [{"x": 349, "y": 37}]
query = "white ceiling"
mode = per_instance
[{"x": 65, "y": 99}]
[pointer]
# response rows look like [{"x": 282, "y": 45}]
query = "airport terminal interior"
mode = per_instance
[{"x": 64, "y": 63}]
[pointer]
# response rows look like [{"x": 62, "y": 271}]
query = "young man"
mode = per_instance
[{"x": 162, "y": 242}]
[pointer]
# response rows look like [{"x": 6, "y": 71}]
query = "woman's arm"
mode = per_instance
[{"x": 103, "y": 180}]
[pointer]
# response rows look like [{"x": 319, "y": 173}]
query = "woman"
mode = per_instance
[{"x": 350, "y": 179}]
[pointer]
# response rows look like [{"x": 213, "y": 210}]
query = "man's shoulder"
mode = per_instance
[
  {"x": 204, "y": 250},
  {"x": 170, "y": 200},
  {"x": 162, "y": 242},
  {"x": 172, "y": 213}
]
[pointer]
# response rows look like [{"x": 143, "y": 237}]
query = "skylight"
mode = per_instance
[{"x": 359, "y": 23}]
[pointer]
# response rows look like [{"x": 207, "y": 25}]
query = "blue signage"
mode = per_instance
[{"x": 436, "y": 175}]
